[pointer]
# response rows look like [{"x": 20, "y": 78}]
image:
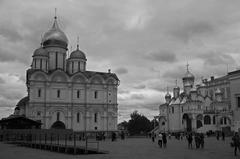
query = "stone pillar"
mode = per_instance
[{"x": 194, "y": 123}]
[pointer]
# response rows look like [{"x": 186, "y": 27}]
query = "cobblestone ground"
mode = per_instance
[{"x": 133, "y": 148}]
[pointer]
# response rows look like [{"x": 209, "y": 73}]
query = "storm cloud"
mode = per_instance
[{"x": 146, "y": 43}]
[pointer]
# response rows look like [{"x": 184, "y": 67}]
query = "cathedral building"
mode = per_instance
[
  {"x": 213, "y": 105},
  {"x": 63, "y": 94}
]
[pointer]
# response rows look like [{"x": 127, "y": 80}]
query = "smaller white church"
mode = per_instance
[{"x": 63, "y": 94}]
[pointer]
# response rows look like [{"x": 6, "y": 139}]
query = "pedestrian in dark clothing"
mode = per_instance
[
  {"x": 236, "y": 143},
  {"x": 189, "y": 139},
  {"x": 197, "y": 141},
  {"x": 201, "y": 140},
  {"x": 114, "y": 136},
  {"x": 153, "y": 137},
  {"x": 122, "y": 135},
  {"x": 164, "y": 139},
  {"x": 223, "y": 136},
  {"x": 217, "y": 135}
]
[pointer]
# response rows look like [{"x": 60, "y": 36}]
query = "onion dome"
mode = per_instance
[
  {"x": 55, "y": 36},
  {"x": 168, "y": 95},
  {"x": 78, "y": 54},
  {"x": 188, "y": 74},
  {"x": 40, "y": 52}
]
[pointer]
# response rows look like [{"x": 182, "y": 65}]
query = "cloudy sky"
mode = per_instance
[{"x": 146, "y": 43}]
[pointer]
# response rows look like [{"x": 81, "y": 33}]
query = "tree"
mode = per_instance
[{"x": 138, "y": 124}]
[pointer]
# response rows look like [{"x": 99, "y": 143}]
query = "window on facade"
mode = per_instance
[
  {"x": 238, "y": 102},
  {"x": 58, "y": 93},
  {"x": 41, "y": 64},
  {"x": 56, "y": 59},
  {"x": 214, "y": 120},
  {"x": 172, "y": 109},
  {"x": 221, "y": 121},
  {"x": 39, "y": 92},
  {"x": 95, "y": 94},
  {"x": 58, "y": 116},
  {"x": 78, "y": 94},
  {"x": 225, "y": 120},
  {"x": 182, "y": 109},
  {"x": 95, "y": 117},
  {"x": 207, "y": 120},
  {"x": 78, "y": 117},
  {"x": 169, "y": 110},
  {"x": 110, "y": 101},
  {"x": 38, "y": 113},
  {"x": 199, "y": 106}
]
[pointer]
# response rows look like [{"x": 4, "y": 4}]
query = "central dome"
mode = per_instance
[{"x": 55, "y": 37}]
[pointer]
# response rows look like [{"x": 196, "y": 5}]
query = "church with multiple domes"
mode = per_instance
[
  {"x": 212, "y": 105},
  {"x": 63, "y": 94}
]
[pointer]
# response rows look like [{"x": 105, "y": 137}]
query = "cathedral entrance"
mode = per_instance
[
  {"x": 58, "y": 125},
  {"x": 199, "y": 120},
  {"x": 188, "y": 122}
]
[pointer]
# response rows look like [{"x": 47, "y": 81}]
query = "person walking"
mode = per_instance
[
  {"x": 189, "y": 139},
  {"x": 223, "y": 136},
  {"x": 164, "y": 140},
  {"x": 201, "y": 140},
  {"x": 236, "y": 143},
  {"x": 160, "y": 137},
  {"x": 153, "y": 137}
]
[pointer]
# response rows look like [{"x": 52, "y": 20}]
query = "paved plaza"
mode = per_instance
[{"x": 132, "y": 148}]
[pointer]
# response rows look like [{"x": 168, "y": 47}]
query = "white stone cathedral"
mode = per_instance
[{"x": 63, "y": 94}]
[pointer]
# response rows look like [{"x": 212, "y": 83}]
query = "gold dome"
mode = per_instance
[{"x": 55, "y": 36}]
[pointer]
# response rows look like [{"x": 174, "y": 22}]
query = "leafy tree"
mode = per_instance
[{"x": 138, "y": 124}]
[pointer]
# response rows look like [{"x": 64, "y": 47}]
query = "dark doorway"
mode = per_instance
[
  {"x": 199, "y": 124},
  {"x": 188, "y": 122},
  {"x": 58, "y": 125}
]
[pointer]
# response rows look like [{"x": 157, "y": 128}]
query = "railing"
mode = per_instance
[{"x": 65, "y": 141}]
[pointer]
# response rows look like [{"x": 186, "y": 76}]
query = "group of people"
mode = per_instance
[{"x": 198, "y": 138}]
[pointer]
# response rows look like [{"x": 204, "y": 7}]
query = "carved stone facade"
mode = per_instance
[
  {"x": 63, "y": 94},
  {"x": 213, "y": 105}
]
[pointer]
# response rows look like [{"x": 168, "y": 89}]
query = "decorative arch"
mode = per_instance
[
  {"x": 187, "y": 122},
  {"x": 59, "y": 76},
  {"x": 207, "y": 120},
  {"x": 39, "y": 76},
  {"x": 97, "y": 79},
  {"x": 79, "y": 78},
  {"x": 58, "y": 125},
  {"x": 111, "y": 80},
  {"x": 225, "y": 121}
]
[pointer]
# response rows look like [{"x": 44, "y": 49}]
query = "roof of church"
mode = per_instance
[{"x": 23, "y": 101}]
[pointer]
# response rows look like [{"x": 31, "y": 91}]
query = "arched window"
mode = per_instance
[
  {"x": 95, "y": 117},
  {"x": 58, "y": 93},
  {"x": 225, "y": 120},
  {"x": 78, "y": 94},
  {"x": 58, "y": 116},
  {"x": 207, "y": 120},
  {"x": 221, "y": 121},
  {"x": 39, "y": 92},
  {"x": 95, "y": 94},
  {"x": 78, "y": 117},
  {"x": 214, "y": 119}
]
